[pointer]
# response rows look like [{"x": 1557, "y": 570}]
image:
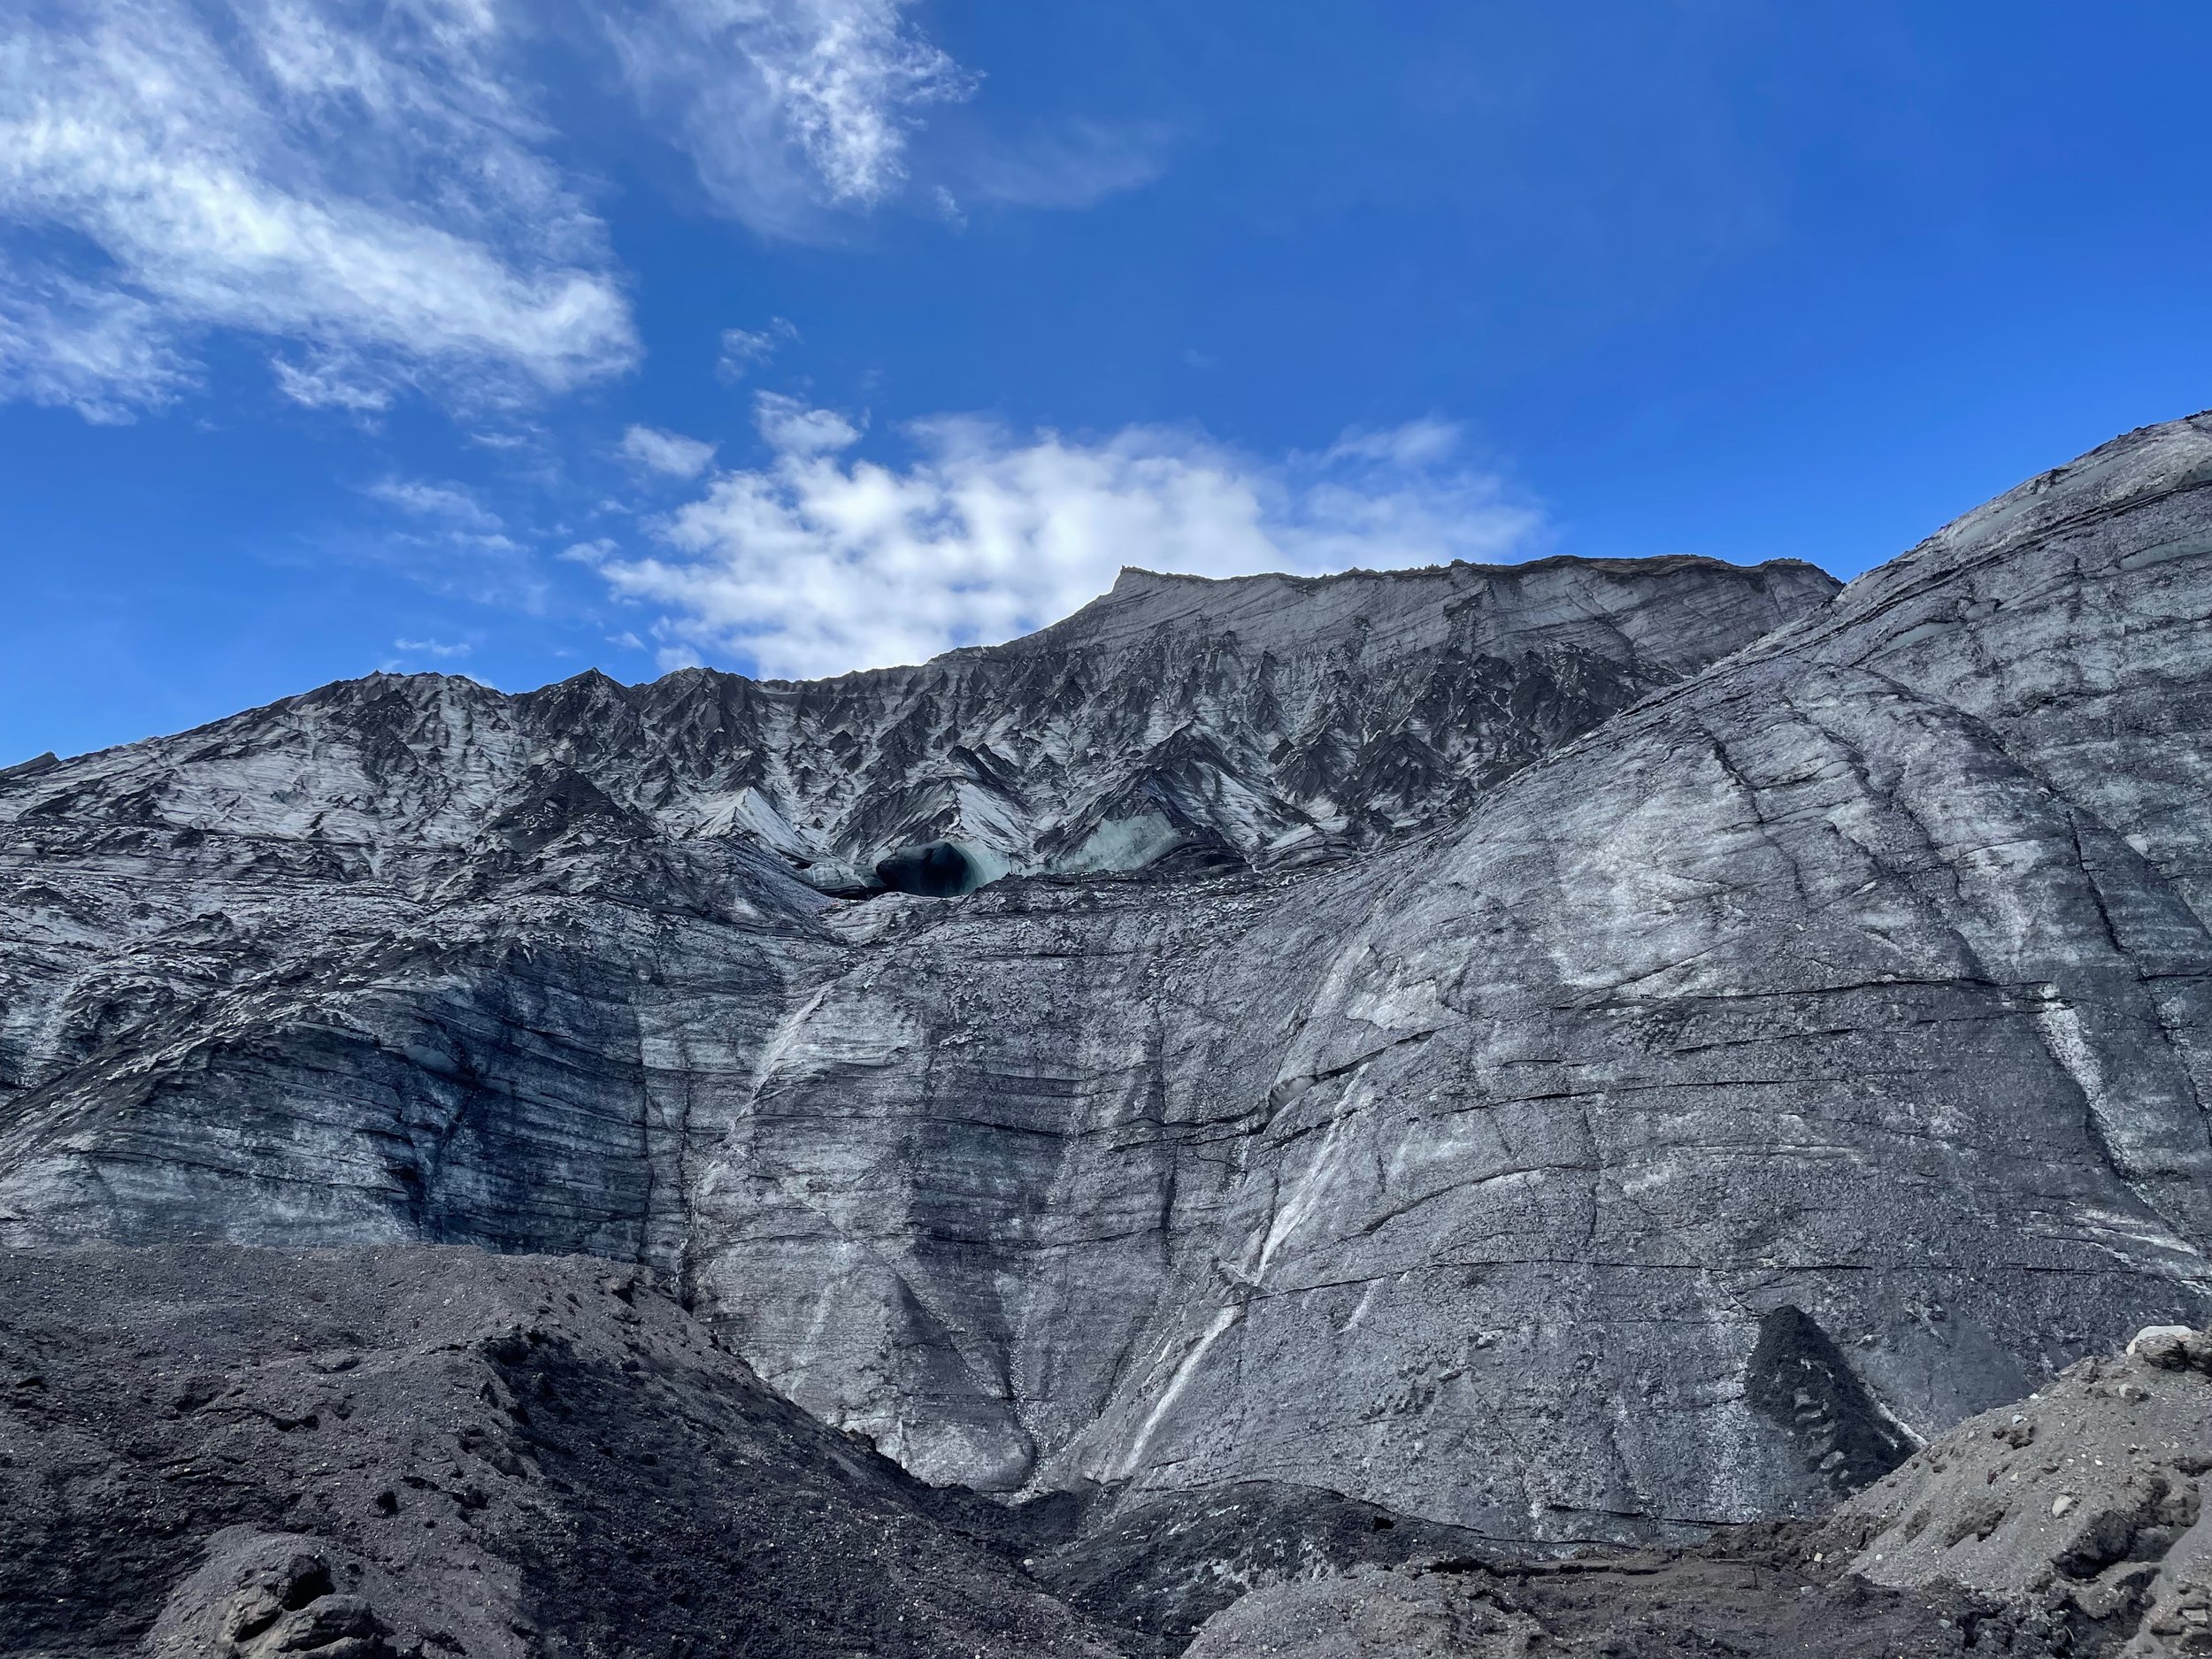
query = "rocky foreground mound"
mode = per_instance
[
  {"x": 217, "y": 1453},
  {"x": 2084, "y": 1501},
  {"x": 208, "y": 1452},
  {"x": 2069, "y": 1523}
]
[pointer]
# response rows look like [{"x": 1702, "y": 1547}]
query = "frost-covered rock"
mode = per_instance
[{"x": 1266, "y": 719}]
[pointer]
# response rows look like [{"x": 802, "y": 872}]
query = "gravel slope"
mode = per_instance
[{"x": 430, "y": 1451}]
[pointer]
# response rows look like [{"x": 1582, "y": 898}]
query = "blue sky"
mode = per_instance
[{"x": 795, "y": 335}]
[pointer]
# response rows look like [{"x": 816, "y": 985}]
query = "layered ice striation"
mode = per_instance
[{"x": 1430, "y": 1026}]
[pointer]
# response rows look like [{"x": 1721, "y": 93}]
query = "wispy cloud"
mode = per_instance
[
  {"x": 815, "y": 564},
  {"x": 1073, "y": 164},
  {"x": 751, "y": 87},
  {"x": 358, "y": 187},
  {"x": 450, "y": 506},
  {"x": 443, "y": 535},
  {"x": 669, "y": 453},
  {"x": 744, "y": 350},
  {"x": 75, "y": 345},
  {"x": 370, "y": 191},
  {"x": 440, "y": 648}
]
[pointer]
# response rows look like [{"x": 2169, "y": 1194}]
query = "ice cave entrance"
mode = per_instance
[{"x": 938, "y": 869}]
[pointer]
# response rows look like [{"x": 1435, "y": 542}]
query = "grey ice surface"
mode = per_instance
[{"x": 1457, "y": 1039}]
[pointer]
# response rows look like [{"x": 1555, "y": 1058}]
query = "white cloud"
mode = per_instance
[
  {"x": 793, "y": 427},
  {"x": 1417, "y": 443},
  {"x": 670, "y": 453},
  {"x": 454, "y": 508},
  {"x": 744, "y": 348},
  {"x": 813, "y": 564},
  {"x": 434, "y": 647},
  {"x": 505, "y": 442},
  {"x": 369, "y": 188},
  {"x": 360, "y": 183},
  {"x": 754, "y": 87},
  {"x": 1071, "y": 165},
  {"x": 444, "y": 536},
  {"x": 333, "y": 380},
  {"x": 69, "y": 344}
]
